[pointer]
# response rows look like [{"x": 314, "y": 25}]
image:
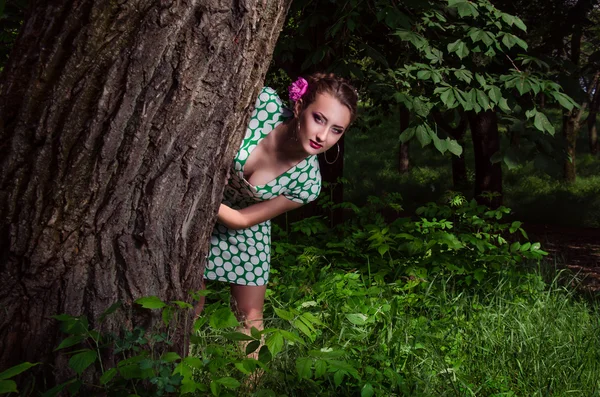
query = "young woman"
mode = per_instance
[{"x": 274, "y": 171}]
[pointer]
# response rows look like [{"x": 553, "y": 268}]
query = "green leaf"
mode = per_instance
[
  {"x": 439, "y": 144},
  {"x": 514, "y": 247},
  {"x": 303, "y": 367},
  {"x": 8, "y": 386},
  {"x": 503, "y": 105},
  {"x": 80, "y": 361},
  {"x": 252, "y": 346},
  {"x": 215, "y": 388},
  {"x": 495, "y": 94},
  {"x": 170, "y": 357},
  {"x": 519, "y": 23},
  {"x": 238, "y": 336},
  {"x": 320, "y": 368},
  {"x": 183, "y": 305},
  {"x": 357, "y": 318},
  {"x": 274, "y": 342},
  {"x": 382, "y": 249},
  {"x": 422, "y": 108},
  {"x": 70, "y": 341},
  {"x": 228, "y": 382},
  {"x": 284, "y": 314},
  {"x": 483, "y": 100},
  {"x": 223, "y": 318},
  {"x": 291, "y": 337},
  {"x": 424, "y": 74},
  {"x": 542, "y": 123},
  {"x": 150, "y": 302},
  {"x": 509, "y": 19},
  {"x": 415, "y": 39},
  {"x": 481, "y": 80},
  {"x": 338, "y": 377},
  {"x": 423, "y": 135},
  {"x": 367, "y": 390},
  {"x": 509, "y": 40},
  {"x": 466, "y": 8},
  {"x": 264, "y": 355},
  {"x": 256, "y": 333},
  {"x": 454, "y": 147},
  {"x": 523, "y": 85},
  {"x": 564, "y": 100},
  {"x": 447, "y": 96},
  {"x": 521, "y": 43},
  {"x": 107, "y": 376},
  {"x": 479, "y": 274},
  {"x": 459, "y": 47},
  {"x": 407, "y": 134},
  {"x": 193, "y": 362},
  {"x": 464, "y": 75},
  {"x": 16, "y": 370},
  {"x": 511, "y": 159}
]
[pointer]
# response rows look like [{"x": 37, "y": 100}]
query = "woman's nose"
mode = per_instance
[{"x": 322, "y": 134}]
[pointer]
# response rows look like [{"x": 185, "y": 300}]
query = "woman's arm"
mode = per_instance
[{"x": 255, "y": 214}]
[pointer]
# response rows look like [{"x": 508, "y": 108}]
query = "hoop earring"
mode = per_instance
[{"x": 336, "y": 157}]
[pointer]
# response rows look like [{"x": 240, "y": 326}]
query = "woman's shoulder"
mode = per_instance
[{"x": 269, "y": 100}]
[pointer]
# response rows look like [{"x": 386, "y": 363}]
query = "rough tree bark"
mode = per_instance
[
  {"x": 119, "y": 124},
  {"x": 486, "y": 142}
]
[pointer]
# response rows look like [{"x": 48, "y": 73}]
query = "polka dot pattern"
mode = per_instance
[{"x": 243, "y": 256}]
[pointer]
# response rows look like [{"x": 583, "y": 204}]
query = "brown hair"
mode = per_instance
[{"x": 337, "y": 87}]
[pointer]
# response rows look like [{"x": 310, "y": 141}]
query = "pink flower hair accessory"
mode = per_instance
[{"x": 297, "y": 89}]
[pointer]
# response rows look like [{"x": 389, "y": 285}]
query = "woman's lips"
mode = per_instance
[{"x": 315, "y": 145}]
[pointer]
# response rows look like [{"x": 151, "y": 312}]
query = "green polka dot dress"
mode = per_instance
[{"x": 243, "y": 256}]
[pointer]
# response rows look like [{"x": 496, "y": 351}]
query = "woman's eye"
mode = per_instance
[
  {"x": 318, "y": 119},
  {"x": 337, "y": 131}
]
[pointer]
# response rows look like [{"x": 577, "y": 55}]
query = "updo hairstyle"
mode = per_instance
[{"x": 337, "y": 87}]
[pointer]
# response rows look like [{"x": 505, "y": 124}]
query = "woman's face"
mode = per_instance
[{"x": 322, "y": 123}]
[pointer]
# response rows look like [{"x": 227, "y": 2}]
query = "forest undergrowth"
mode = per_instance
[{"x": 452, "y": 302}]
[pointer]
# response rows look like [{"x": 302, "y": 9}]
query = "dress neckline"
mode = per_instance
[{"x": 262, "y": 137}]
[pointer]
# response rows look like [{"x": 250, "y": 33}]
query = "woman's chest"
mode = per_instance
[{"x": 263, "y": 166}]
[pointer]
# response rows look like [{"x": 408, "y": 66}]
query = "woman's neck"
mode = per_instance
[{"x": 285, "y": 144}]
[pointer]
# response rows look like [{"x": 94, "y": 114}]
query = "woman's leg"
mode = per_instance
[{"x": 248, "y": 302}]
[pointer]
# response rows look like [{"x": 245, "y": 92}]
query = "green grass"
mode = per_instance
[
  {"x": 519, "y": 338},
  {"x": 534, "y": 196},
  {"x": 429, "y": 315}
]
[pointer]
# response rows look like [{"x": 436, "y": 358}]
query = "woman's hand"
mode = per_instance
[{"x": 255, "y": 214}]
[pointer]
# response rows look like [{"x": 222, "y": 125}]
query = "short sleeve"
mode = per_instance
[{"x": 306, "y": 183}]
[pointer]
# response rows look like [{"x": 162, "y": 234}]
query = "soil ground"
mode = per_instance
[{"x": 577, "y": 249}]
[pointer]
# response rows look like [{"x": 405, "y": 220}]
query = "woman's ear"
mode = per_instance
[{"x": 298, "y": 108}]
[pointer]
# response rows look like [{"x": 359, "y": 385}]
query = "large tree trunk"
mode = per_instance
[
  {"x": 591, "y": 120},
  {"x": 486, "y": 142},
  {"x": 119, "y": 124},
  {"x": 570, "y": 129},
  {"x": 571, "y": 126}
]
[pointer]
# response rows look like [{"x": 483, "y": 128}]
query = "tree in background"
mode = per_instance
[
  {"x": 434, "y": 57},
  {"x": 119, "y": 124},
  {"x": 567, "y": 39}
]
